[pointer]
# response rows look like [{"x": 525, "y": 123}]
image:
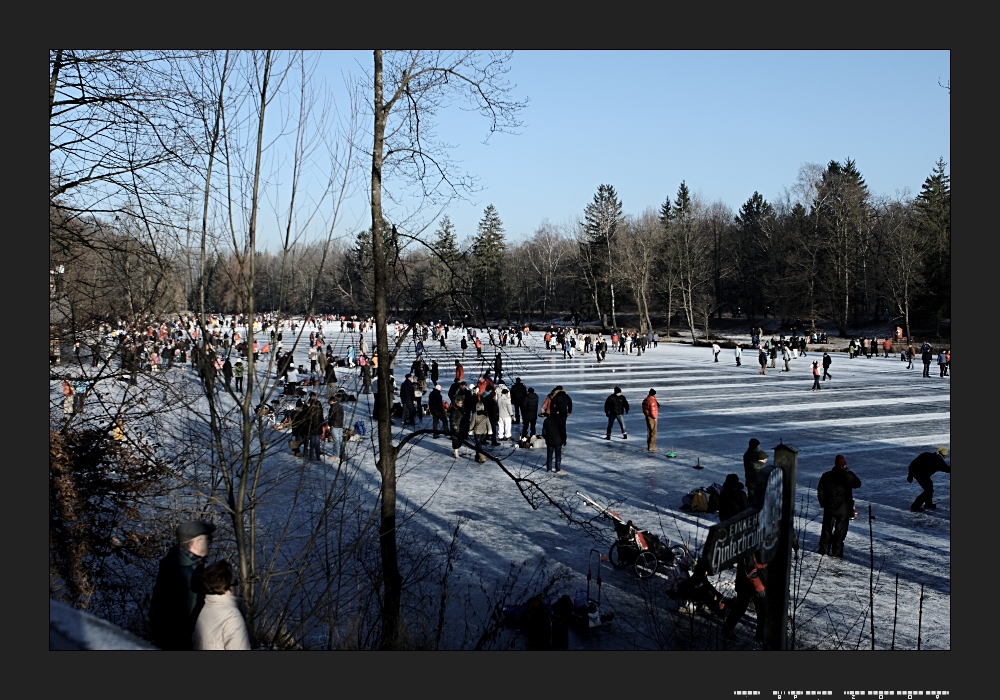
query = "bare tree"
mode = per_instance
[
  {"x": 842, "y": 200},
  {"x": 588, "y": 261},
  {"x": 547, "y": 249},
  {"x": 903, "y": 252},
  {"x": 408, "y": 88},
  {"x": 641, "y": 239},
  {"x": 692, "y": 251},
  {"x": 717, "y": 220}
]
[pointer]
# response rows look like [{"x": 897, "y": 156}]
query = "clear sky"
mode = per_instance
[{"x": 727, "y": 122}]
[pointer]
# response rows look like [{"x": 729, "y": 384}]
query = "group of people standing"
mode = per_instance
[
  {"x": 571, "y": 342},
  {"x": 835, "y": 493}
]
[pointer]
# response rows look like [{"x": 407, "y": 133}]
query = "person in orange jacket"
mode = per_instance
[{"x": 651, "y": 409}]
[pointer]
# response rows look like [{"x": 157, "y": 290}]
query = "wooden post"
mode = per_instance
[{"x": 779, "y": 570}]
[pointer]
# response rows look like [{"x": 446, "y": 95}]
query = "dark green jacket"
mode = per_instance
[{"x": 175, "y": 605}]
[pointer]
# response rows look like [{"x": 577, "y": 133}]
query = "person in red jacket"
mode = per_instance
[
  {"x": 651, "y": 409},
  {"x": 815, "y": 371}
]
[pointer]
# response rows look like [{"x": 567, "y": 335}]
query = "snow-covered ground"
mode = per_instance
[{"x": 874, "y": 411}]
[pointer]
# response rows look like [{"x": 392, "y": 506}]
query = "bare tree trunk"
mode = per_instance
[
  {"x": 54, "y": 80},
  {"x": 391, "y": 579},
  {"x": 611, "y": 283},
  {"x": 686, "y": 297},
  {"x": 670, "y": 307},
  {"x": 245, "y": 548}
]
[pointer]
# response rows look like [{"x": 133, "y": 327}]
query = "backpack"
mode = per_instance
[
  {"x": 359, "y": 428},
  {"x": 828, "y": 498},
  {"x": 699, "y": 502},
  {"x": 696, "y": 501}
]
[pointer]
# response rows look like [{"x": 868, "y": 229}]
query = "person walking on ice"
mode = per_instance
[{"x": 615, "y": 406}]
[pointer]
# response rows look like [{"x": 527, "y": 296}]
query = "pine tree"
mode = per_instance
[
  {"x": 489, "y": 249},
  {"x": 681, "y": 210},
  {"x": 934, "y": 221},
  {"x": 842, "y": 204},
  {"x": 601, "y": 220},
  {"x": 754, "y": 224},
  {"x": 446, "y": 242},
  {"x": 444, "y": 265}
]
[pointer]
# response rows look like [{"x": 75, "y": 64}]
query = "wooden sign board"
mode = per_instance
[{"x": 754, "y": 530}]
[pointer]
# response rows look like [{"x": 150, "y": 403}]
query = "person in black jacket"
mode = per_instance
[
  {"x": 554, "y": 442},
  {"x": 227, "y": 372},
  {"x": 458, "y": 422},
  {"x": 313, "y": 427},
  {"x": 407, "y": 397},
  {"x": 297, "y": 420},
  {"x": 335, "y": 420},
  {"x": 615, "y": 406},
  {"x": 436, "y": 403},
  {"x": 921, "y": 469},
  {"x": 489, "y": 401},
  {"x": 560, "y": 409},
  {"x": 176, "y": 600},
  {"x": 926, "y": 355},
  {"x": 733, "y": 499},
  {"x": 752, "y": 465},
  {"x": 518, "y": 393},
  {"x": 530, "y": 413},
  {"x": 835, "y": 493}
]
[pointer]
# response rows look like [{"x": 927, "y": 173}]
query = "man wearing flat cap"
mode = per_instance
[{"x": 176, "y": 598}]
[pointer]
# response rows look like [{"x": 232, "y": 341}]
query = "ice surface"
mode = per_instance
[{"x": 874, "y": 411}]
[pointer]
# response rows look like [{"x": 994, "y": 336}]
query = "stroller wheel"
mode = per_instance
[
  {"x": 645, "y": 564},
  {"x": 616, "y": 558},
  {"x": 677, "y": 552}
]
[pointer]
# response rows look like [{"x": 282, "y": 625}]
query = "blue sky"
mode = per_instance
[{"x": 727, "y": 122}]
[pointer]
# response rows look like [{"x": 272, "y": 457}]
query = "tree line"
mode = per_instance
[{"x": 827, "y": 249}]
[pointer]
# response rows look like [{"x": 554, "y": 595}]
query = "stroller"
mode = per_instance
[{"x": 640, "y": 549}]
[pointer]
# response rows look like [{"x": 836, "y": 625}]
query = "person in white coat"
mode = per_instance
[
  {"x": 506, "y": 415},
  {"x": 220, "y": 624}
]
